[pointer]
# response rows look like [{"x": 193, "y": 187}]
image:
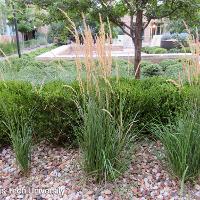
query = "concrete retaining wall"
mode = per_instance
[{"x": 67, "y": 52}]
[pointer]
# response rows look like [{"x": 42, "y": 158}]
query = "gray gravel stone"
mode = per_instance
[{"x": 59, "y": 168}]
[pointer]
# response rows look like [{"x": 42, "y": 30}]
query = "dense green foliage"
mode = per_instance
[
  {"x": 10, "y": 48},
  {"x": 167, "y": 68},
  {"x": 56, "y": 114},
  {"x": 178, "y": 26},
  {"x": 152, "y": 70},
  {"x": 172, "y": 71},
  {"x": 58, "y": 31},
  {"x": 153, "y": 99},
  {"x": 7, "y": 48},
  {"x": 180, "y": 50},
  {"x": 166, "y": 63},
  {"x": 159, "y": 50},
  {"x": 181, "y": 139},
  {"x": 154, "y": 50},
  {"x": 37, "y": 72},
  {"x": 52, "y": 104},
  {"x": 28, "y": 16},
  {"x": 152, "y": 9}
]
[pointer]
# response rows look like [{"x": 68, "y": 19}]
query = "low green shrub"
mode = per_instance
[
  {"x": 166, "y": 63},
  {"x": 180, "y": 50},
  {"x": 185, "y": 50},
  {"x": 174, "y": 50},
  {"x": 36, "y": 72},
  {"x": 172, "y": 71},
  {"x": 23, "y": 69},
  {"x": 122, "y": 68},
  {"x": 56, "y": 113},
  {"x": 8, "y": 48},
  {"x": 39, "y": 51},
  {"x": 145, "y": 49},
  {"x": 145, "y": 63},
  {"x": 153, "y": 98},
  {"x": 11, "y": 48},
  {"x": 154, "y": 50},
  {"x": 150, "y": 70},
  {"x": 159, "y": 51}
]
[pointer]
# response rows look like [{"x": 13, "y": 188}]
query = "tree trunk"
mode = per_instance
[{"x": 138, "y": 43}]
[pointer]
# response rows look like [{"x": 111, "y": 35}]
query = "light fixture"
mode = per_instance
[{"x": 154, "y": 25}]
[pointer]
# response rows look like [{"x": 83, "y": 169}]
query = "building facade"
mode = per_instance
[
  {"x": 151, "y": 35},
  {"x": 6, "y": 31}
]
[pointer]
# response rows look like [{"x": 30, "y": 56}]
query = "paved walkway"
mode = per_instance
[{"x": 25, "y": 51}]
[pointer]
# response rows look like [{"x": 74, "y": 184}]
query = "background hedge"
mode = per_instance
[{"x": 55, "y": 114}]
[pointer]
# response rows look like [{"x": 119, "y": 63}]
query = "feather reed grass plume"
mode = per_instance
[
  {"x": 93, "y": 53},
  {"x": 104, "y": 137},
  {"x": 191, "y": 66}
]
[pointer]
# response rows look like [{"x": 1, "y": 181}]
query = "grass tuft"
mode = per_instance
[
  {"x": 18, "y": 125},
  {"x": 181, "y": 143},
  {"x": 104, "y": 138}
]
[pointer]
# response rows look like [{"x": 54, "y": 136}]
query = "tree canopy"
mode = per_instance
[
  {"x": 116, "y": 9},
  {"x": 140, "y": 13},
  {"x": 28, "y": 15}
]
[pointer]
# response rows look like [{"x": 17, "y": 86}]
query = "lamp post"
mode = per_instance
[{"x": 16, "y": 32}]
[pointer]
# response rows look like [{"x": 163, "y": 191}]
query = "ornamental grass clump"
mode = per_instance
[
  {"x": 181, "y": 143},
  {"x": 104, "y": 138},
  {"x": 105, "y": 142},
  {"x": 190, "y": 72},
  {"x": 18, "y": 125},
  {"x": 181, "y": 136}
]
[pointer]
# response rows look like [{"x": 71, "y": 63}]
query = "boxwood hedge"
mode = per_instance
[{"x": 55, "y": 114}]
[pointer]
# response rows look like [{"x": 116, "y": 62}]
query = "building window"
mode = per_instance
[
  {"x": 156, "y": 29},
  {"x": 159, "y": 30}
]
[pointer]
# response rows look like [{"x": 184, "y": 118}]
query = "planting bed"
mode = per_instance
[{"x": 56, "y": 173}]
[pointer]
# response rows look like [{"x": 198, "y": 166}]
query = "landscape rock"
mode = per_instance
[{"x": 59, "y": 168}]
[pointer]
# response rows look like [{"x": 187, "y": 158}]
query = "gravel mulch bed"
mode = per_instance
[{"x": 56, "y": 174}]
